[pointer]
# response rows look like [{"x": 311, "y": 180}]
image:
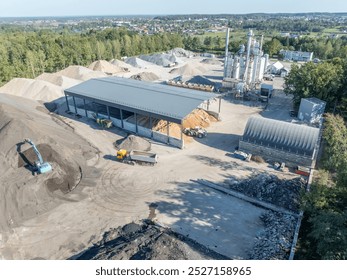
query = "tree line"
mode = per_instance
[
  {"x": 28, "y": 54},
  {"x": 323, "y": 234}
]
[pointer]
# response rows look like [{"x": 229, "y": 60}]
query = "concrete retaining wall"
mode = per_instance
[{"x": 291, "y": 160}]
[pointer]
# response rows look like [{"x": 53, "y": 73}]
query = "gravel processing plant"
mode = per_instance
[{"x": 196, "y": 202}]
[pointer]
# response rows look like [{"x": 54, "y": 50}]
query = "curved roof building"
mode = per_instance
[{"x": 283, "y": 136}]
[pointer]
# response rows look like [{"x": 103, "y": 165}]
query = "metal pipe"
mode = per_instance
[
  {"x": 220, "y": 104},
  {"x": 85, "y": 109},
  {"x": 67, "y": 102},
  {"x": 150, "y": 125},
  {"x": 137, "y": 130},
  {"x": 250, "y": 34},
  {"x": 121, "y": 118},
  {"x": 108, "y": 112},
  {"x": 74, "y": 102}
]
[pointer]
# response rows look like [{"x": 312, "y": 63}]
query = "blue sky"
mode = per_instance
[{"x": 13, "y": 8}]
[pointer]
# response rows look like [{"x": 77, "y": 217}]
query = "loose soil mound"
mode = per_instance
[
  {"x": 26, "y": 195},
  {"x": 80, "y": 73},
  {"x": 188, "y": 70},
  {"x": 133, "y": 142},
  {"x": 58, "y": 80},
  {"x": 32, "y": 89},
  {"x": 146, "y": 242},
  {"x": 105, "y": 66},
  {"x": 145, "y": 76}
]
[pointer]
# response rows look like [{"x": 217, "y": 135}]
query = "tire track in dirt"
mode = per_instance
[{"x": 121, "y": 190}]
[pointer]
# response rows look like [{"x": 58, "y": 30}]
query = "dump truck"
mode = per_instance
[
  {"x": 195, "y": 132},
  {"x": 134, "y": 156}
]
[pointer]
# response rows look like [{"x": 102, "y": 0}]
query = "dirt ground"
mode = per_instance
[{"x": 111, "y": 194}]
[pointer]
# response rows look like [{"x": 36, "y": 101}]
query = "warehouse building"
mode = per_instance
[
  {"x": 277, "y": 141},
  {"x": 120, "y": 100}
]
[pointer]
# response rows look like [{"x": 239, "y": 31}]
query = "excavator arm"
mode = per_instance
[{"x": 42, "y": 167}]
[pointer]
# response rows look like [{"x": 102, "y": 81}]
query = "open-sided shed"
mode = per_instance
[{"x": 117, "y": 98}]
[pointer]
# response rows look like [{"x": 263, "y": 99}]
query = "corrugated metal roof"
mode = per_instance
[
  {"x": 285, "y": 136},
  {"x": 161, "y": 101}
]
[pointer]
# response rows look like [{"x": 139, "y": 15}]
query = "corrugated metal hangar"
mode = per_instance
[
  {"x": 281, "y": 141},
  {"x": 118, "y": 98}
]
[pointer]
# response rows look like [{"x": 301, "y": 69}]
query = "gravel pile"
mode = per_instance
[
  {"x": 275, "y": 241},
  {"x": 161, "y": 59},
  {"x": 269, "y": 188},
  {"x": 211, "y": 61},
  {"x": 179, "y": 52},
  {"x": 137, "y": 62},
  {"x": 145, "y": 76},
  {"x": 133, "y": 142},
  {"x": 201, "y": 80}
]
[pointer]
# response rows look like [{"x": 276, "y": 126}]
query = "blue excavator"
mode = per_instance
[{"x": 40, "y": 165}]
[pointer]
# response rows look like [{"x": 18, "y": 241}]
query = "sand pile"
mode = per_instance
[
  {"x": 58, "y": 80},
  {"x": 26, "y": 196},
  {"x": 133, "y": 142},
  {"x": 199, "y": 117},
  {"x": 211, "y": 61},
  {"x": 188, "y": 70},
  {"x": 137, "y": 62},
  {"x": 106, "y": 67},
  {"x": 145, "y": 76},
  {"x": 33, "y": 89},
  {"x": 80, "y": 73}
]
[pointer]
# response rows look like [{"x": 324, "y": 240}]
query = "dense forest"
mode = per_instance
[{"x": 28, "y": 54}]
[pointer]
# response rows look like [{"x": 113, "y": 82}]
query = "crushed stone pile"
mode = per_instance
[
  {"x": 274, "y": 242},
  {"x": 58, "y": 80},
  {"x": 201, "y": 80},
  {"x": 179, "y": 52},
  {"x": 211, "y": 61},
  {"x": 162, "y": 59},
  {"x": 145, "y": 76},
  {"x": 33, "y": 89},
  {"x": 80, "y": 73},
  {"x": 188, "y": 70},
  {"x": 120, "y": 63},
  {"x": 269, "y": 188},
  {"x": 106, "y": 67},
  {"x": 133, "y": 142},
  {"x": 146, "y": 241},
  {"x": 138, "y": 62}
]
